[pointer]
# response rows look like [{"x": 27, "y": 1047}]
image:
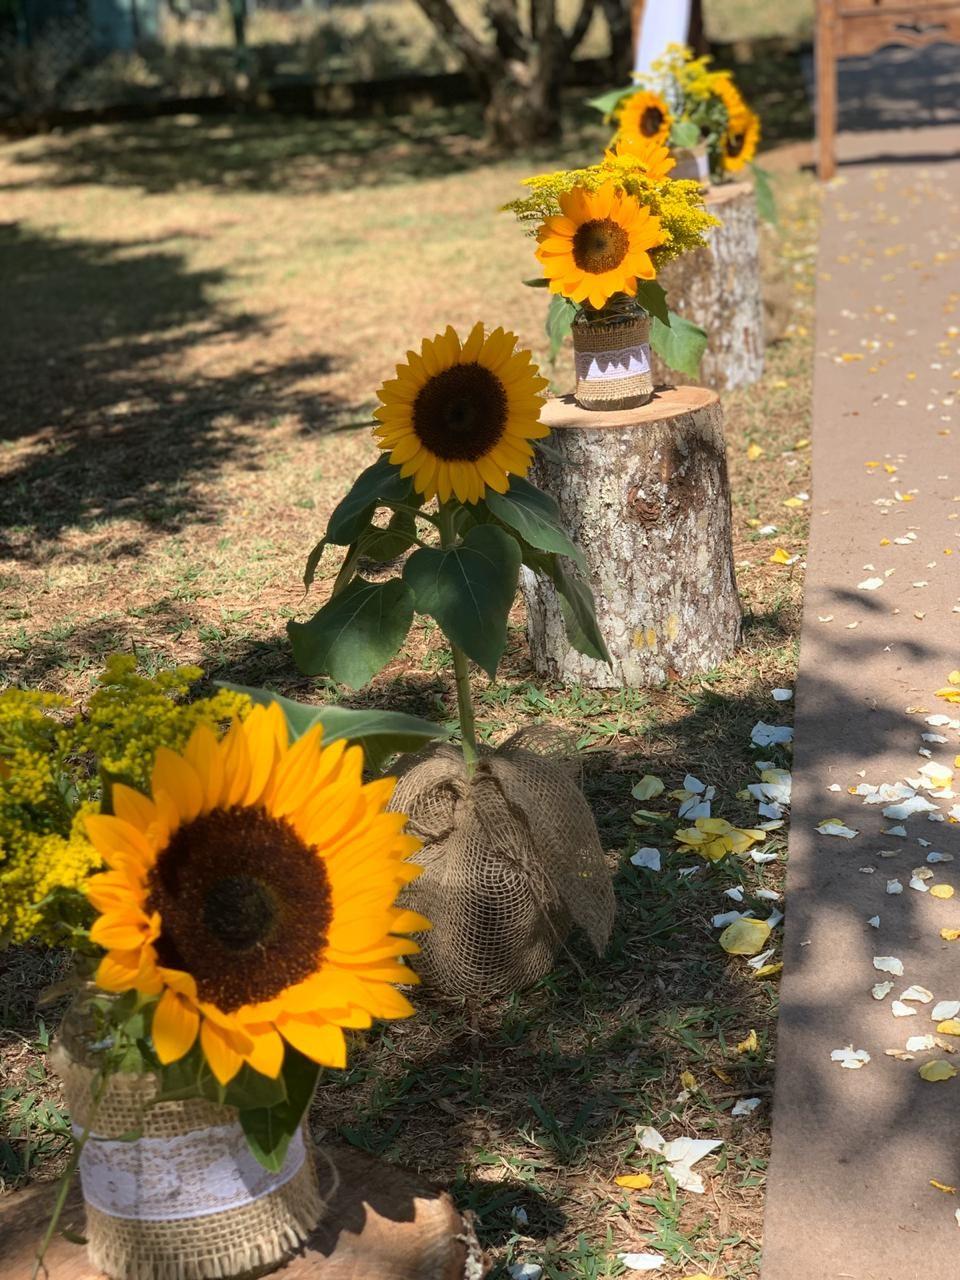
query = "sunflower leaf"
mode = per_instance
[
  {"x": 763, "y": 190},
  {"x": 384, "y": 545},
  {"x": 560, "y": 317},
  {"x": 381, "y": 734},
  {"x": 680, "y": 345},
  {"x": 538, "y": 282},
  {"x": 535, "y": 516},
  {"x": 269, "y": 1130},
  {"x": 653, "y": 298},
  {"x": 469, "y": 589},
  {"x": 684, "y": 134},
  {"x": 607, "y": 102},
  {"x": 576, "y": 603},
  {"x": 379, "y": 485},
  {"x": 188, "y": 1077},
  {"x": 356, "y": 633},
  {"x": 249, "y": 1090}
]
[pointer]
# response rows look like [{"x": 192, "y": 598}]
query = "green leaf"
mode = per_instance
[
  {"x": 268, "y": 1130},
  {"x": 538, "y": 283},
  {"x": 684, "y": 134},
  {"x": 560, "y": 317},
  {"x": 313, "y": 559},
  {"x": 250, "y": 1089},
  {"x": 680, "y": 344},
  {"x": 384, "y": 545},
  {"x": 469, "y": 590},
  {"x": 189, "y": 1077},
  {"x": 535, "y": 516},
  {"x": 763, "y": 190},
  {"x": 576, "y": 603},
  {"x": 607, "y": 102},
  {"x": 653, "y": 298},
  {"x": 356, "y": 633},
  {"x": 381, "y": 734},
  {"x": 381, "y": 485}
]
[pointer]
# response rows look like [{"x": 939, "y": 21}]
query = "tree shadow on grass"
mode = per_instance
[{"x": 107, "y": 412}]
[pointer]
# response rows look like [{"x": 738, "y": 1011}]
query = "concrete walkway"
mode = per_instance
[{"x": 855, "y": 1150}]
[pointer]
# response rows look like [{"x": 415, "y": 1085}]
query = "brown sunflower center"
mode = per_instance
[
  {"x": 244, "y": 906},
  {"x": 600, "y": 245},
  {"x": 461, "y": 413},
  {"x": 735, "y": 143},
  {"x": 651, "y": 122}
]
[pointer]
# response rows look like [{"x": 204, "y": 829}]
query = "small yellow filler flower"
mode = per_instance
[
  {"x": 253, "y": 891},
  {"x": 460, "y": 415}
]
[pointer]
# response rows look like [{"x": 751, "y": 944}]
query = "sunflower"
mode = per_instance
[
  {"x": 653, "y": 155},
  {"x": 739, "y": 144},
  {"x": 459, "y": 416},
  {"x": 598, "y": 246},
  {"x": 646, "y": 115},
  {"x": 722, "y": 87},
  {"x": 253, "y": 893}
]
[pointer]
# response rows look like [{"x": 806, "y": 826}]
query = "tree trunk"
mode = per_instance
[
  {"x": 522, "y": 108},
  {"x": 719, "y": 288},
  {"x": 645, "y": 493}
]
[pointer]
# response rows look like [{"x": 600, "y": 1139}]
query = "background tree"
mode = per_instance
[{"x": 520, "y": 66}]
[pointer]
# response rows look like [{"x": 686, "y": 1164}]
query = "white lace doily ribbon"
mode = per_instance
[
  {"x": 607, "y": 366},
  {"x": 190, "y": 1176}
]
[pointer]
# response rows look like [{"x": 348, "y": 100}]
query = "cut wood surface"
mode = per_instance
[
  {"x": 719, "y": 288},
  {"x": 645, "y": 493},
  {"x": 382, "y": 1222}
]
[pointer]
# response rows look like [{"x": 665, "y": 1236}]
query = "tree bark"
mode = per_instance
[
  {"x": 719, "y": 288},
  {"x": 645, "y": 493}
]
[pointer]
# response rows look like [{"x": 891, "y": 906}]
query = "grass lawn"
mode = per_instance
[{"x": 202, "y": 312}]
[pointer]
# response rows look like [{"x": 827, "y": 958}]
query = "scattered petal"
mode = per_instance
[
  {"x": 941, "y": 891},
  {"x": 745, "y": 1106},
  {"x": 649, "y": 859},
  {"x": 938, "y": 1069},
  {"x": 851, "y": 1058},
  {"x": 634, "y": 1181},
  {"x": 889, "y": 964},
  {"x": 745, "y": 937},
  {"x": 881, "y": 989},
  {"x": 648, "y": 787}
]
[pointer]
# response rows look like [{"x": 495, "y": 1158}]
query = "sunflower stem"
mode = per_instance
[{"x": 468, "y": 724}]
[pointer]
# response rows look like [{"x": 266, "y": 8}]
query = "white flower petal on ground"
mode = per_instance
[
  {"x": 881, "y": 989},
  {"x": 916, "y": 804},
  {"x": 850, "y": 1058},
  {"x": 745, "y": 1106},
  {"x": 870, "y": 584},
  {"x": 690, "y": 783},
  {"x": 766, "y": 735},
  {"x": 901, "y": 1010},
  {"x": 642, "y": 1261},
  {"x": 936, "y": 856},
  {"x": 895, "y": 831},
  {"x": 770, "y": 895},
  {"x": 920, "y": 994},
  {"x": 757, "y": 962},
  {"x": 769, "y": 810},
  {"x": 694, "y": 808},
  {"x": 834, "y": 827},
  {"x": 728, "y": 917},
  {"x": 781, "y": 695},
  {"x": 650, "y": 1139},
  {"x": 874, "y": 922},
  {"x": 945, "y": 1009},
  {"x": 894, "y": 886},
  {"x": 757, "y": 855},
  {"x": 649, "y": 859},
  {"x": 917, "y": 1044},
  {"x": 736, "y": 893},
  {"x": 888, "y": 964},
  {"x": 524, "y": 1271}
]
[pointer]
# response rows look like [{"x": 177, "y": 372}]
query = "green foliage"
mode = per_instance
[
  {"x": 684, "y": 134},
  {"x": 269, "y": 1129},
  {"x": 576, "y": 603},
  {"x": 653, "y": 298},
  {"x": 763, "y": 190},
  {"x": 381, "y": 734},
  {"x": 680, "y": 344},
  {"x": 560, "y": 316},
  {"x": 356, "y": 633},
  {"x": 469, "y": 589},
  {"x": 535, "y": 516},
  {"x": 607, "y": 103}
]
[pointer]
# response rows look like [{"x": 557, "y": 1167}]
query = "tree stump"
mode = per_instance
[
  {"x": 645, "y": 493},
  {"x": 720, "y": 289},
  {"x": 381, "y": 1222}
]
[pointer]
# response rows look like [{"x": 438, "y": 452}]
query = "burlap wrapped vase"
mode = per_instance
[
  {"x": 512, "y": 861},
  {"x": 185, "y": 1198},
  {"x": 611, "y": 353}
]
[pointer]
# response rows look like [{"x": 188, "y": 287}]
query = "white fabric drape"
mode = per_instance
[{"x": 664, "y": 22}]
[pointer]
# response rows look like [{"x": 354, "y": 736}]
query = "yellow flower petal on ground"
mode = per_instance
[
  {"x": 754, "y": 452},
  {"x": 941, "y": 891},
  {"x": 749, "y": 1044},
  {"x": 745, "y": 937},
  {"x": 467, "y": 415},
  {"x": 634, "y": 1181},
  {"x": 949, "y": 1027},
  {"x": 942, "y": 1186},
  {"x": 780, "y": 556},
  {"x": 259, "y": 898},
  {"x": 938, "y": 1069},
  {"x": 767, "y": 970},
  {"x": 950, "y": 935},
  {"x": 175, "y": 1026}
]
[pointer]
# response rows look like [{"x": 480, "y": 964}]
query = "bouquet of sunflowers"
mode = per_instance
[
  {"x": 226, "y": 883},
  {"x": 603, "y": 234},
  {"x": 693, "y": 109}
]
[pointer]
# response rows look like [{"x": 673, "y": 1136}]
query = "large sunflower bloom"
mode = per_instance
[
  {"x": 460, "y": 415},
  {"x": 253, "y": 892},
  {"x": 739, "y": 144},
  {"x": 653, "y": 155},
  {"x": 645, "y": 114},
  {"x": 599, "y": 244}
]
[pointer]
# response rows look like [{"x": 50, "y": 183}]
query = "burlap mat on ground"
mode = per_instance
[
  {"x": 178, "y": 1145},
  {"x": 512, "y": 861}
]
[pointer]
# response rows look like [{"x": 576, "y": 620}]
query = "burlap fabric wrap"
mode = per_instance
[
  {"x": 511, "y": 858},
  {"x": 186, "y": 1161},
  {"x": 611, "y": 355}
]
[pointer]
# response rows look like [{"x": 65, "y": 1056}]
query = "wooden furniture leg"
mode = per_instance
[{"x": 826, "y": 73}]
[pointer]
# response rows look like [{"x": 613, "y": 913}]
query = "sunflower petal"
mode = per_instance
[{"x": 175, "y": 1027}]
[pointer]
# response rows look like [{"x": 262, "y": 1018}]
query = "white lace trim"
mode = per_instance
[
  {"x": 190, "y": 1176},
  {"x": 608, "y": 366}
]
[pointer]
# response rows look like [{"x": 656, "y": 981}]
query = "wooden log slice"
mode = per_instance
[
  {"x": 645, "y": 493},
  {"x": 720, "y": 289},
  {"x": 382, "y": 1223}
]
